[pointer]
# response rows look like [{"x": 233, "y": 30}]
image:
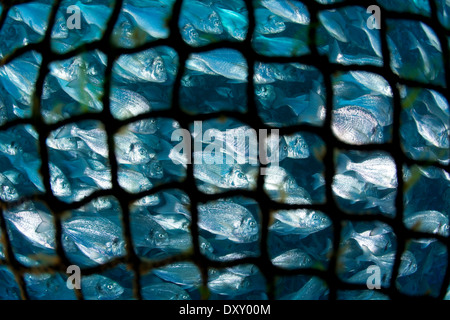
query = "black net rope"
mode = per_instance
[{"x": 250, "y": 117}]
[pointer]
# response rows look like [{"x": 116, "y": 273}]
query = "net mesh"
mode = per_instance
[{"x": 250, "y": 117}]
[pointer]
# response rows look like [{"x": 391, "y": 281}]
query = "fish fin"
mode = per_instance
[
  {"x": 377, "y": 231},
  {"x": 318, "y": 181},
  {"x": 343, "y": 165}
]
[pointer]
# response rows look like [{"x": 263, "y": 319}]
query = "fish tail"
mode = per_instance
[{"x": 344, "y": 164}]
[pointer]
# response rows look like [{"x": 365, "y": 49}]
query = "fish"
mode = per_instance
[
  {"x": 201, "y": 16},
  {"x": 334, "y": 23},
  {"x": 267, "y": 22},
  {"x": 356, "y": 125},
  {"x": 292, "y": 259},
  {"x": 300, "y": 222},
  {"x": 430, "y": 221},
  {"x": 280, "y": 45},
  {"x": 95, "y": 14},
  {"x": 34, "y": 224},
  {"x": 295, "y": 12},
  {"x": 151, "y": 18},
  {"x": 164, "y": 291},
  {"x": 378, "y": 169},
  {"x": 348, "y": 187},
  {"x": 184, "y": 274},
  {"x": 98, "y": 238},
  {"x": 229, "y": 283},
  {"x": 59, "y": 182},
  {"x": 373, "y": 82},
  {"x": 240, "y": 143},
  {"x": 376, "y": 240},
  {"x": 297, "y": 146},
  {"x": 228, "y": 220},
  {"x": 126, "y": 103},
  {"x": 224, "y": 62},
  {"x": 314, "y": 289},
  {"x": 144, "y": 66},
  {"x": 133, "y": 181},
  {"x": 223, "y": 176},
  {"x": 432, "y": 129},
  {"x": 380, "y": 106},
  {"x": 147, "y": 232},
  {"x": 234, "y": 23},
  {"x": 18, "y": 77},
  {"x": 98, "y": 287},
  {"x": 281, "y": 186},
  {"x": 34, "y": 15},
  {"x": 190, "y": 35}
]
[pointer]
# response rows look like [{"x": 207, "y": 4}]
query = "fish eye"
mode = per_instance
[
  {"x": 252, "y": 224},
  {"x": 285, "y": 148},
  {"x": 109, "y": 286}
]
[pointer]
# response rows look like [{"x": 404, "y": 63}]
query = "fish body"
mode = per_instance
[
  {"x": 98, "y": 287},
  {"x": 98, "y": 238},
  {"x": 228, "y": 220},
  {"x": 356, "y": 125}
]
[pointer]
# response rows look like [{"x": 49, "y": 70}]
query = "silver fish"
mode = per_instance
[
  {"x": 146, "y": 65},
  {"x": 147, "y": 232},
  {"x": 430, "y": 221},
  {"x": 126, "y": 103},
  {"x": 185, "y": 274},
  {"x": 98, "y": 238},
  {"x": 295, "y": 12},
  {"x": 379, "y": 169},
  {"x": 293, "y": 259},
  {"x": 60, "y": 183},
  {"x": 432, "y": 129},
  {"x": 297, "y": 146},
  {"x": 349, "y": 187},
  {"x": 224, "y": 62},
  {"x": 228, "y": 220},
  {"x": 302, "y": 222},
  {"x": 356, "y": 125},
  {"x": 372, "y": 81},
  {"x": 281, "y": 186},
  {"x": 164, "y": 291},
  {"x": 98, "y": 287},
  {"x": 267, "y": 22},
  {"x": 34, "y": 224},
  {"x": 150, "y": 18}
]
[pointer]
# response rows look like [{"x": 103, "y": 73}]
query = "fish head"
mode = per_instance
[
  {"x": 248, "y": 229},
  {"x": 139, "y": 153},
  {"x": 238, "y": 178},
  {"x": 158, "y": 237},
  {"x": 214, "y": 25},
  {"x": 157, "y": 70},
  {"x": 115, "y": 247},
  {"x": 319, "y": 221},
  {"x": 60, "y": 30},
  {"x": 190, "y": 34},
  {"x": 377, "y": 134},
  {"x": 205, "y": 246},
  {"x": 155, "y": 170},
  {"x": 108, "y": 289}
]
